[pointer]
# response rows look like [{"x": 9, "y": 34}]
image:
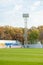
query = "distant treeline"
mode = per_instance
[{"x": 13, "y": 33}]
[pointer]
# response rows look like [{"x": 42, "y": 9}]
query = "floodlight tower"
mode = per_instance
[{"x": 25, "y": 16}]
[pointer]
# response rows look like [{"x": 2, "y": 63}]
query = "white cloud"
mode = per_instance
[
  {"x": 36, "y": 18},
  {"x": 41, "y": 16},
  {"x": 5, "y": 1},
  {"x": 35, "y": 5},
  {"x": 18, "y": 7},
  {"x": 11, "y": 10},
  {"x": 6, "y": 5}
]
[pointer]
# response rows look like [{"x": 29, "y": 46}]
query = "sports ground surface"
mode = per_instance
[{"x": 22, "y": 56}]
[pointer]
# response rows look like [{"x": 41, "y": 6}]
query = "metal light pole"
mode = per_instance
[{"x": 25, "y": 16}]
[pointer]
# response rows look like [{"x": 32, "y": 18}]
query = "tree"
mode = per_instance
[
  {"x": 40, "y": 28},
  {"x": 34, "y": 35}
]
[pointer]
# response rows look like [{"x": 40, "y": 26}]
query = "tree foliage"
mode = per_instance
[
  {"x": 15, "y": 33},
  {"x": 34, "y": 35}
]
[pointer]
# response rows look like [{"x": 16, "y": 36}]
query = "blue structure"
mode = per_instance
[
  {"x": 12, "y": 44},
  {"x": 8, "y": 44}
]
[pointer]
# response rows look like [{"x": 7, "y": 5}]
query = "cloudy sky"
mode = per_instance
[{"x": 11, "y": 12}]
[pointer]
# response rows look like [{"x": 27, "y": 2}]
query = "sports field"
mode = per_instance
[{"x": 22, "y": 56}]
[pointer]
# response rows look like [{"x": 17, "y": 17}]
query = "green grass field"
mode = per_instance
[{"x": 22, "y": 56}]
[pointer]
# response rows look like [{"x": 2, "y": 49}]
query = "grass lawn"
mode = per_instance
[{"x": 22, "y": 56}]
